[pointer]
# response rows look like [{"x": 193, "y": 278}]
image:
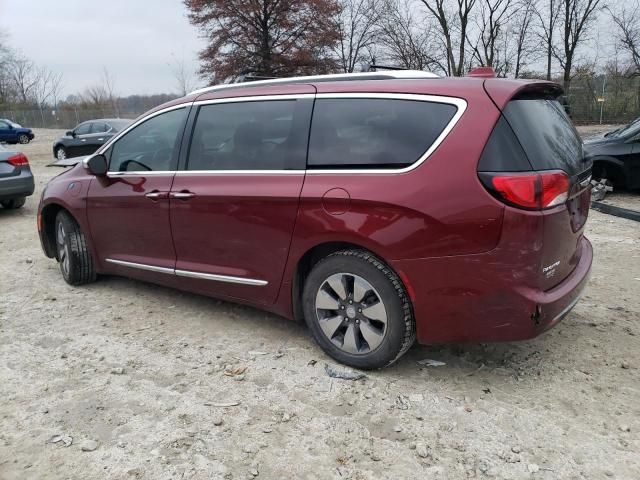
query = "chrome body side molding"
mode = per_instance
[{"x": 190, "y": 274}]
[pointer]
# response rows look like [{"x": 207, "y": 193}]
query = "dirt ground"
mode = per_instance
[{"x": 134, "y": 374}]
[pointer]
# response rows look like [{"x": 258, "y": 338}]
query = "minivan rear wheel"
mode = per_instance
[
  {"x": 357, "y": 310},
  {"x": 72, "y": 252}
]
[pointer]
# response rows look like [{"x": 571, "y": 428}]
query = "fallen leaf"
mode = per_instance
[
  {"x": 235, "y": 371},
  {"x": 222, "y": 404},
  {"x": 431, "y": 363}
]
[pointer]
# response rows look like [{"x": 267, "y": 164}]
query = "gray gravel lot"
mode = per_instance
[{"x": 126, "y": 380}]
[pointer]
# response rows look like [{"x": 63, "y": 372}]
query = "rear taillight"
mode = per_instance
[
  {"x": 18, "y": 160},
  {"x": 528, "y": 190}
]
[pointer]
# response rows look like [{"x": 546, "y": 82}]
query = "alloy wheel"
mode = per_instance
[
  {"x": 63, "y": 249},
  {"x": 351, "y": 313},
  {"x": 61, "y": 154}
]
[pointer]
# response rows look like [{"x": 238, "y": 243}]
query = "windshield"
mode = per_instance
[
  {"x": 14, "y": 124},
  {"x": 629, "y": 130}
]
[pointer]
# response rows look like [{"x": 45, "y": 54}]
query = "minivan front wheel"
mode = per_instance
[
  {"x": 358, "y": 310},
  {"x": 72, "y": 252},
  {"x": 23, "y": 139}
]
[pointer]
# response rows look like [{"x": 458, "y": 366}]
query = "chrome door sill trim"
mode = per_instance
[
  {"x": 141, "y": 266},
  {"x": 189, "y": 273},
  {"x": 221, "y": 278}
]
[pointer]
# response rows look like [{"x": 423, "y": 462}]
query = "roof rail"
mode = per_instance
[
  {"x": 374, "y": 68},
  {"x": 338, "y": 77}
]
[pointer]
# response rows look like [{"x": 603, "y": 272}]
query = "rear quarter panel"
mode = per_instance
[{"x": 438, "y": 209}]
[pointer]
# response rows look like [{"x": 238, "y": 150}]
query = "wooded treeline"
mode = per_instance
[
  {"x": 592, "y": 47},
  {"x": 582, "y": 44}
]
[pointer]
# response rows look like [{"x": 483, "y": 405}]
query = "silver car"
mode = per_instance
[{"x": 16, "y": 179}]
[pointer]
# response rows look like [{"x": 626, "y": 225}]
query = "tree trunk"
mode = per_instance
[{"x": 567, "y": 76}]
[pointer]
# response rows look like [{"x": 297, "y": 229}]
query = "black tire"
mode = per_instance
[
  {"x": 74, "y": 258},
  {"x": 14, "y": 203},
  {"x": 400, "y": 330},
  {"x": 61, "y": 153},
  {"x": 23, "y": 139}
]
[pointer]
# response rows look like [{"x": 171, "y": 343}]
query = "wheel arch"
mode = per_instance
[
  {"x": 312, "y": 256},
  {"x": 48, "y": 218},
  {"x": 611, "y": 164},
  {"x": 56, "y": 146}
]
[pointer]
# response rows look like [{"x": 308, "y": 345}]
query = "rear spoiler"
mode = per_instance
[
  {"x": 67, "y": 162},
  {"x": 501, "y": 91}
]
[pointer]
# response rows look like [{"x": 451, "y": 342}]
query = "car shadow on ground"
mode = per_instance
[{"x": 469, "y": 363}]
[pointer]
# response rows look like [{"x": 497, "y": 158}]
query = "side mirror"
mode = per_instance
[
  {"x": 97, "y": 165},
  {"x": 71, "y": 133}
]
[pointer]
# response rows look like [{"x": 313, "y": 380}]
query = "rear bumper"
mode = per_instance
[
  {"x": 478, "y": 298},
  {"x": 553, "y": 305},
  {"x": 18, "y": 186}
]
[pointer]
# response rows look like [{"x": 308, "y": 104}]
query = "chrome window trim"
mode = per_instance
[
  {"x": 141, "y": 173},
  {"x": 459, "y": 103},
  {"x": 255, "y": 98},
  {"x": 190, "y": 274},
  {"x": 199, "y": 173}
]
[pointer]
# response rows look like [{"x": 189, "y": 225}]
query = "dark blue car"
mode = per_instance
[{"x": 11, "y": 132}]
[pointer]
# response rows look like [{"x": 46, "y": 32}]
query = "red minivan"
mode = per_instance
[{"x": 378, "y": 207}]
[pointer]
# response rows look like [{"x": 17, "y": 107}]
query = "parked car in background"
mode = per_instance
[
  {"x": 379, "y": 207},
  {"x": 11, "y": 132},
  {"x": 616, "y": 156},
  {"x": 16, "y": 180},
  {"x": 87, "y": 137}
]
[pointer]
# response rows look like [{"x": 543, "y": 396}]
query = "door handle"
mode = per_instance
[
  {"x": 184, "y": 195},
  {"x": 100, "y": 139},
  {"x": 156, "y": 195}
]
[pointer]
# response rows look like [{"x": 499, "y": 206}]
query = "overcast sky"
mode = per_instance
[{"x": 135, "y": 40}]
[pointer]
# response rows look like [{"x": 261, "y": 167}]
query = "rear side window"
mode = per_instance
[
  {"x": 374, "y": 133},
  {"x": 546, "y": 134},
  {"x": 83, "y": 129},
  {"x": 503, "y": 152},
  {"x": 256, "y": 135},
  {"x": 99, "y": 127}
]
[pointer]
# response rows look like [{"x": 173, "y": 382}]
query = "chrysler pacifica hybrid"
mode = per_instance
[{"x": 380, "y": 208}]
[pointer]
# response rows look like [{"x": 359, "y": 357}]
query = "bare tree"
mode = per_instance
[
  {"x": 96, "y": 96},
  {"x": 182, "y": 75},
  {"x": 548, "y": 19},
  {"x": 24, "y": 76},
  {"x": 5, "y": 77},
  {"x": 490, "y": 48},
  {"x": 521, "y": 29},
  {"x": 46, "y": 90},
  {"x": 109, "y": 82},
  {"x": 453, "y": 24},
  {"x": 409, "y": 41},
  {"x": 357, "y": 28},
  {"x": 576, "y": 17},
  {"x": 627, "y": 22}
]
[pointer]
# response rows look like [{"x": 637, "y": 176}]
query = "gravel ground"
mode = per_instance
[{"x": 126, "y": 380}]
